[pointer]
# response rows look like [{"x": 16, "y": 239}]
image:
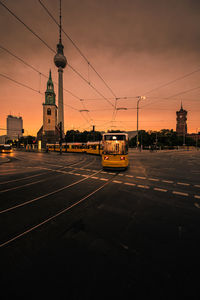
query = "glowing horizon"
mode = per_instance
[{"x": 124, "y": 43}]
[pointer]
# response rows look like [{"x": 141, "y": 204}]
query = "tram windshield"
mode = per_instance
[{"x": 115, "y": 147}]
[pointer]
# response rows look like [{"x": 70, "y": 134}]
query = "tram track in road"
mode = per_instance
[
  {"x": 60, "y": 212},
  {"x": 60, "y": 170}
]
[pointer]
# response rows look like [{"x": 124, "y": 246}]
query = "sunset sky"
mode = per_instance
[{"x": 140, "y": 48}]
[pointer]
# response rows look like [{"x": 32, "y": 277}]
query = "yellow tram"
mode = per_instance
[
  {"x": 115, "y": 150},
  {"x": 94, "y": 148}
]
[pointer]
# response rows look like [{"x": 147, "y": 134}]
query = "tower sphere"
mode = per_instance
[{"x": 60, "y": 60}]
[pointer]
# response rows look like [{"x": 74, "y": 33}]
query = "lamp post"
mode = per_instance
[
  {"x": 197, "y": 137},
  {"x": 139, "y": 99}
]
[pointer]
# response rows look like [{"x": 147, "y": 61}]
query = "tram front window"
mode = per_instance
[{"x": 114, "y": 148}]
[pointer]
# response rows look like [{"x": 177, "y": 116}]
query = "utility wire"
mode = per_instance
[
  {"x": 22, "y": 84},
  {"x": 33, "y": 68},
  {"x": 13, "y": 14},
  {"x": 172, "y": 81},
  {"x": 77, "y": 48},
  {"x": 30, "y": 88}
]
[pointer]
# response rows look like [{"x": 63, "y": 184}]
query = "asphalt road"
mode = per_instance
[{"x": 70, "y": 230}]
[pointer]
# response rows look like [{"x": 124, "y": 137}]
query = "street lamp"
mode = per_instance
[{"x": 139, "y": 98}]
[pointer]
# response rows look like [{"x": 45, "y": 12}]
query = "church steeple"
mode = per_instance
[{"x": 50, "y": 97}]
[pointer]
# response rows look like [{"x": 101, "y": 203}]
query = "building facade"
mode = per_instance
[
  {"x": 181, "y": 122},
  {"x": 49, "y": 132},
  {"x": 14, "y": 127}
]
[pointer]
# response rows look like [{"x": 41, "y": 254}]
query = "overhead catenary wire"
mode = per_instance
[
  {"x": 78, "y": 49},
  {"x": 35, "y": 34}
]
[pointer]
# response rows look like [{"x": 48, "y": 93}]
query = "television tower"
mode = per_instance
[{"x": 60, "y": 62}]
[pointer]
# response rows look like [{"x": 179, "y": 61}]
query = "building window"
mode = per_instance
[
  {"x": 49, "y": 121},
  {"x": 49, "y": 111}
]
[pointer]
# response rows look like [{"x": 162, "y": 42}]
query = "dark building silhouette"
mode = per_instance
[{"x": 181, "y": 121}]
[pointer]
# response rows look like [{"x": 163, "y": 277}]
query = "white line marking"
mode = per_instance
[
  {"x": 131, "y": 176},
  {"x": 183, "y": 183},
  {"x": 153, "y": 179},
  {"x": 85, "y": 175},
  {"x": 104, "y": 179},
  {"x": 111, "y": 173},
  {"x": 197, "y": 185},
  {"x": 139, "y": 177},
  {"x": 117, "y": 181},
  {"x": 128, "y": 183},
  {"x": 197, "y": 196},
  {"x": 94, "y": 177},
  {"x": 121, "y": 175},
  {"x": 180, "y": 193},
  {"x": 160, "y": 190},
  {"x": 77, "y": 174},
  {"x": 167, "y": 181},
  {"x": 103, "y": 172},
  {"x": 143, "y": 186}
]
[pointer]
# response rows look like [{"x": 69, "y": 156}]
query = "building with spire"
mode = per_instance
[
  {"x": 49, "y": 132},
  {"x": 181, "y": 121},
  {"x": 60, "y": 62}
]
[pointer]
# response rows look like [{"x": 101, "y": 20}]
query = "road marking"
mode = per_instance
[
  {"x": 167, "y": 181},
  {"x": 183, "y": 183},
  {"x": 131, "y": 176},
  {"x": 77, "y": 174},
  {"x": 143, "y": 186},
  {"x": 197, "y": 185},
  {"x": 94, "y": 177},
  {"x": 121, "y": 175},
  {"x": 139, "y": 177},
  {"x": 104, "y": 179},
  {"x": 153, "y": 179},
  {"x": 103, "y": 172},
  {"x": 160, "y": 190},
  {"x": 128, "y": 183},
  {"x": 197, "y": 205},
  {"x": 111, "y": 173},
  {"x": 197, "y": 196},
  {"x": 117, "y": 181},
  {"x": 85, "y": 175},
  {"x": 180, "y": 193}
]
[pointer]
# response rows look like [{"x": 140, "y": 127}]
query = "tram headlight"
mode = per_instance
[
  {"x": 122, "y": 158},
  {"x": 106, "y": 157}
]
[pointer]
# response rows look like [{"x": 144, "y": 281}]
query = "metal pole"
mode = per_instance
[{"x": 137, "y": 119}]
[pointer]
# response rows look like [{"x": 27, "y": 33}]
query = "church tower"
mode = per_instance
[
  {"x": 181, "y": 121},
  {"x": 49, "y": 107},
  {"x": 49, "y": 132}
]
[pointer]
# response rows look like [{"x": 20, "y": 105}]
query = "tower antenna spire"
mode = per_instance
[{"x": 60, "y": 25}]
